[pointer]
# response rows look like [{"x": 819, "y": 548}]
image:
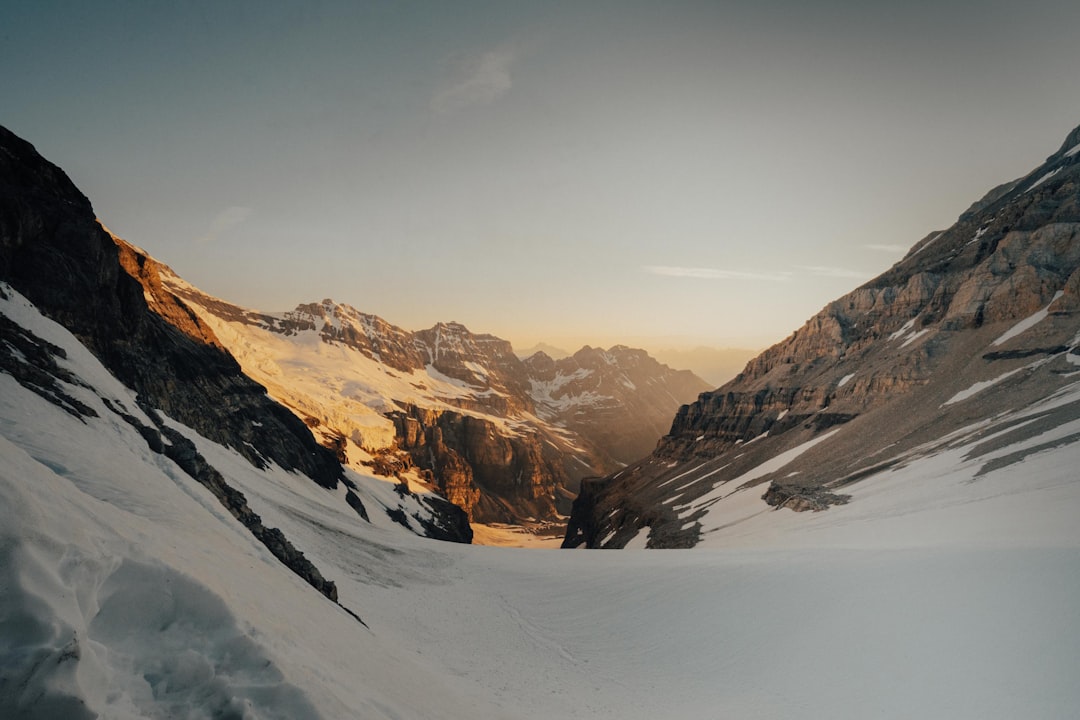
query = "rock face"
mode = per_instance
[
  {"x": 616, "y": 398},
  {"x": 877, "y": 372},
  {"x": 506, "y": 440},
  {"x": 491, "y": 475},
  {"x": 56, "y": 255}
]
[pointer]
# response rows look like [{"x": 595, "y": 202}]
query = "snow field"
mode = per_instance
[{"x": 943, "y": 590}]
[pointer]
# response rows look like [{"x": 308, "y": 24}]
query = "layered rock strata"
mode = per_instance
[{"x": 990, "y": 302}]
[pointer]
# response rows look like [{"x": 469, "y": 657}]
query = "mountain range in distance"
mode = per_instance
[{"x": 715, "y": 365}]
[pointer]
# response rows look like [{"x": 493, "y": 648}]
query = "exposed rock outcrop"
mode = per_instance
[
  {"x": 491, "y": 475},
  {"x": 801, "y": 499}
]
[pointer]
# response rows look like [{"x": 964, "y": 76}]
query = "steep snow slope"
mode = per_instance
[{"x": 129, "y": 592}]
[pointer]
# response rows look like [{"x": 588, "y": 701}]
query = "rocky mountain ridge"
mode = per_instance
[
  {"x": 991, "y": 302},
  {"x": 450, "y": 410}
]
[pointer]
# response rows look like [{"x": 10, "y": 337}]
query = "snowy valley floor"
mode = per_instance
[
  {"x": 856, "y": 623},
  {"x": 127, "y": 591}
]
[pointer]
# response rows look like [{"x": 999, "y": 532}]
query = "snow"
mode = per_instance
[
  {"x": 903, "y": 330},
  {"x": 979, "y": 387},
  {"x": 928, "y": 243},
  {"x": 944, "y": 589},
  {"x": 639, "y": 541},
  {"x": 913, "y": 337},
  {"x": 1028, "y": 322},
  {"x": 683, "y": 474},
  {"x": 844, "y": 380},
  {"x": 779, "y": 461},
  {"x": 128, "y": 591},
  {"x": 341, "y": 386},
  {"x": 1043, "y": 179},
  {"x": 716, "y": 499},
  {"x": 554, "y": 395},
  {"x": 498, "y": 535},
  {"x": 477, "y": 369},
  {"x": 351, "y": 393},
  {"x": 1072, "y": 151}
]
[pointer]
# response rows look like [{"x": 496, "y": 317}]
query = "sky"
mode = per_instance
[{"x": 661, "y": 174}]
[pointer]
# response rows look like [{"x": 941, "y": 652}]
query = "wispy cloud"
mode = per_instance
[
  {"x": 887, "y": 248},
  {"x": 476, "y": 80},
  {"x": 707, "y": 273},
  {"x": 225, "y": 220},
  {"x": 704, "y": 273},
  {"x": 835, "y": 272}
]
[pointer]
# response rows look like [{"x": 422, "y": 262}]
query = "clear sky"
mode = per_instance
[{"x": 656, "y": 173}]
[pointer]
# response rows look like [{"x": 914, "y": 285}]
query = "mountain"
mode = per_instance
[
  {"x": 969, "y": 341},
  {"x": 148, "y": 570},
  {"x": 550, "y": 350},
  {"x": 440, "y": 414},
  {"x": 109, "y": 294},
  {"x": 449, "y": 410},
  {"x": 613, "y": 398}
]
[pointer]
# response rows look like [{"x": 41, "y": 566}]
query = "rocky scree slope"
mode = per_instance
[
  {"x": 451, "y": 410},
  {"x": 975, "y": 321}
]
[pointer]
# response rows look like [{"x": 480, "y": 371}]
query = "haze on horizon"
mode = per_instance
[{"x": 660, "y": 174}]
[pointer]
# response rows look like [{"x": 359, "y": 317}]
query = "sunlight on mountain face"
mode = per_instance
[{"x": 580, "y": 214}]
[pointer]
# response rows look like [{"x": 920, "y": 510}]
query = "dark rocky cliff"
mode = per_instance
[
  {"x": 54, "y": 251},
  {"x": 883, "y": 359}
]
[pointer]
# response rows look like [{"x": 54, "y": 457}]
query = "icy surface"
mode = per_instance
[{"x": 947, "y": 588}]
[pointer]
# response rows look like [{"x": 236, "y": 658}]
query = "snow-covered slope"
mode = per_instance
[{"x": 129, "y": 592}]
